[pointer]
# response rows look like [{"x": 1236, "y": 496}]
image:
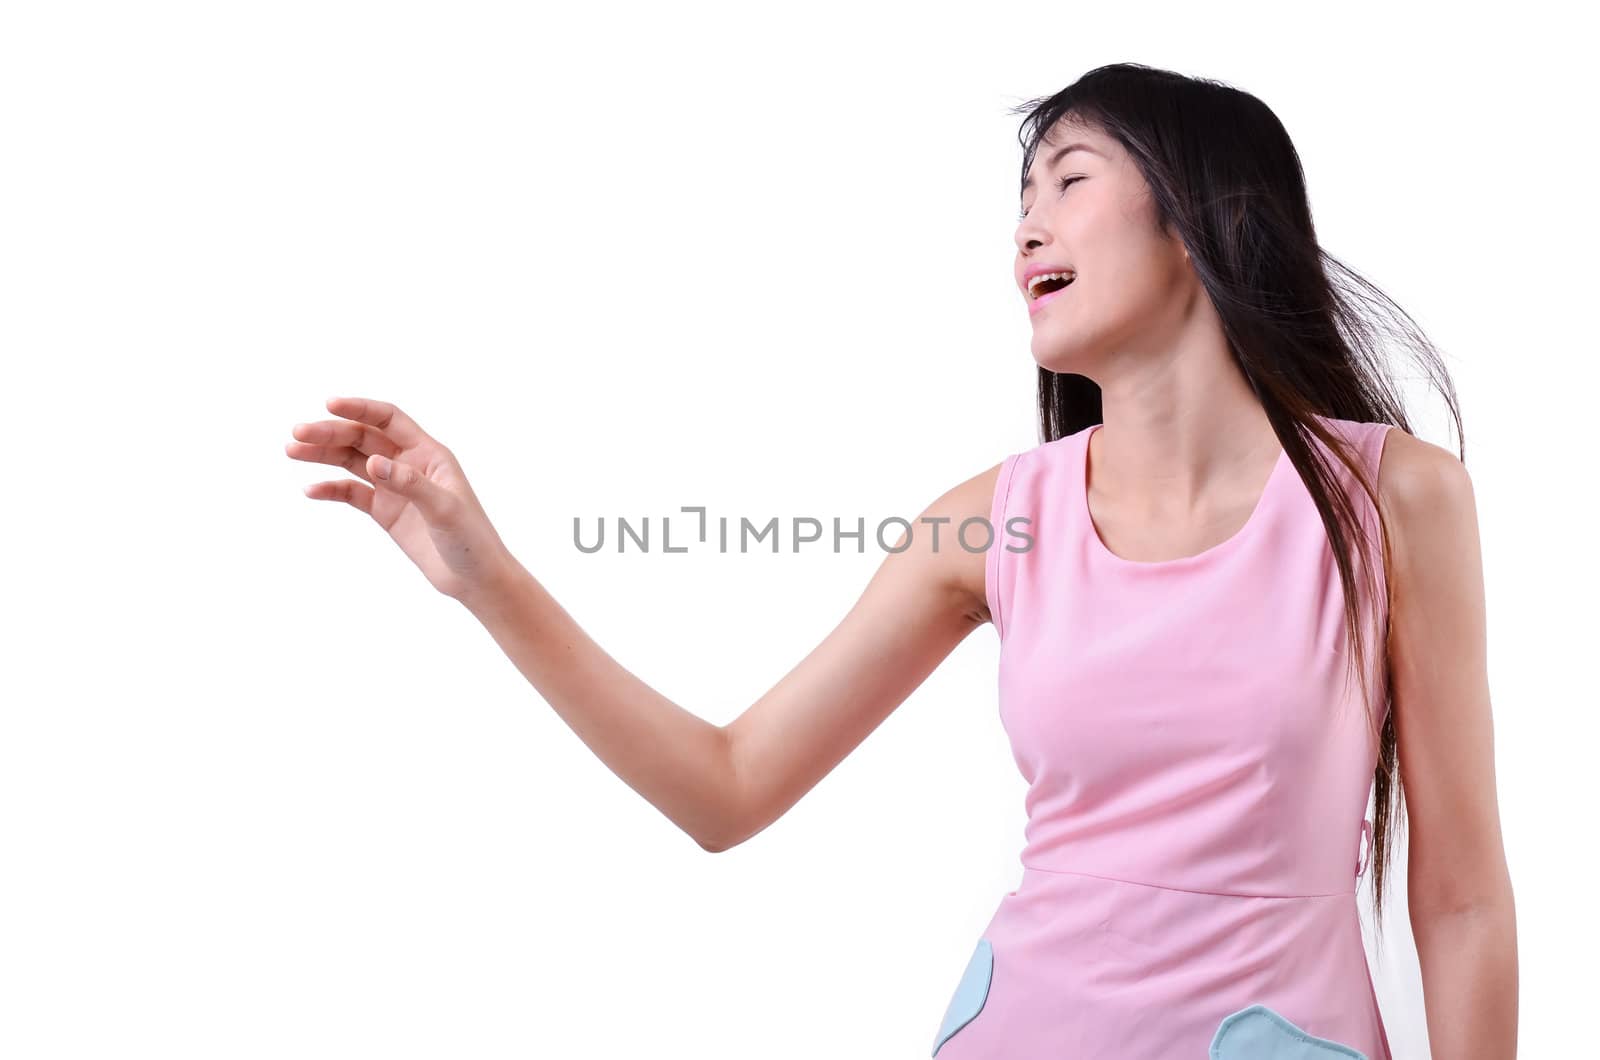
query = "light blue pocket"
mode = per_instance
[
  {"x": 1258, "y": 1033},
  {"x": 970, "y": 994}
]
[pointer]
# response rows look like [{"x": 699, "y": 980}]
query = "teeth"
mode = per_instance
[{"x": 1033, "y": 284}]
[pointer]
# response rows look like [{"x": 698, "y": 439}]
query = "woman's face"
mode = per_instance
[{"x": 1132, "y": 285}]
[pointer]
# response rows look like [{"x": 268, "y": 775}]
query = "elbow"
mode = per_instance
[
  {"x": 733, "y": 836},
  {"x": 726, "y": 800},
  {"x": 1471, "y": 897},
  {"x": 711, "y": 848},
  {"x": 716, "y": 844},
  {"x": 1460, "y": 910}
]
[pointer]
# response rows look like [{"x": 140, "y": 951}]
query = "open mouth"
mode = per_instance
[
  {"x": 1051, "y": 286},
  {"x": 1048, "y": 290}
]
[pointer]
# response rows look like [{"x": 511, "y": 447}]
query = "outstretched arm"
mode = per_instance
[
  {"x": 720, "y": 784},
  {"x": 723, "y": 784}
]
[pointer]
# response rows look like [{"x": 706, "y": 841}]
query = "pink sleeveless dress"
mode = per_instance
[{"x": 1198, "y": 773}]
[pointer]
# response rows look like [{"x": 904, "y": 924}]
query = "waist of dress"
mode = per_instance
[{"x": 1218, "y": 891}]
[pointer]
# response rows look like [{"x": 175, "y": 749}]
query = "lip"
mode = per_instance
[{"x": 1036, "y": 304}]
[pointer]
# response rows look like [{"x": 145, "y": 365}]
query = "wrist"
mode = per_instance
[{"x": 494, "y": 593}]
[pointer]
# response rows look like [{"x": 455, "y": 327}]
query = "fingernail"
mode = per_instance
[{"x": 381, "y": 467}]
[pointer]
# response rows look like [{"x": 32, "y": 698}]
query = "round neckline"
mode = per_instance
[{"x": 1219, "y": 548}]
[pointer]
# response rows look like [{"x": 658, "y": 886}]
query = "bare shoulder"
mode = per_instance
[
  {"x": 952, "y": 535},
  {"x": 1421, "y": 483},
  {"x": 1429, "y": 507}
]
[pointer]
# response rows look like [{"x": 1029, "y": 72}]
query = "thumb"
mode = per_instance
[{"x": 432, "y": 500}]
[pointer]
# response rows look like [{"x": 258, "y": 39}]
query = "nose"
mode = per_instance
[{"x": 1029, "y": 234}]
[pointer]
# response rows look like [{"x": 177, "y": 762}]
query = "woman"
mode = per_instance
[{"x": 1240, "y": 599}]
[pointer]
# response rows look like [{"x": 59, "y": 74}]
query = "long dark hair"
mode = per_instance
[{"x": 1305, "y": 329}]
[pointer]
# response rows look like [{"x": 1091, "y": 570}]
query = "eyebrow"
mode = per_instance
[{"x": 1028, "y": 183}]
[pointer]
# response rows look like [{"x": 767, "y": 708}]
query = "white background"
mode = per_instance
[{"x": 264, "y": 793}]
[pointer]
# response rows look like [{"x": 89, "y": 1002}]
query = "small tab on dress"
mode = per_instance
[{"x": 1365, "y": 856}]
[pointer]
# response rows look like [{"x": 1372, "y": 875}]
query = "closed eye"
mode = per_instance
[{"x": 1062, "y": 184}]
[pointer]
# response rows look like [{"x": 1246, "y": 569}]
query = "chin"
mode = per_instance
[{"x": 1059, "y": 356}]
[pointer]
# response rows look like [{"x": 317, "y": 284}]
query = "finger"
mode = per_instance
[
  {"x": 346, "y": 490},
  {"x": 439, "y": 507},
  {"x": 382, "y": 415},
  {"x": 348, "y": 433},
  {"x": 339, "y": 456}
]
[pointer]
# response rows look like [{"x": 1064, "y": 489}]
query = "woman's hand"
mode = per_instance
[{"x": 416, "y": 492}]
